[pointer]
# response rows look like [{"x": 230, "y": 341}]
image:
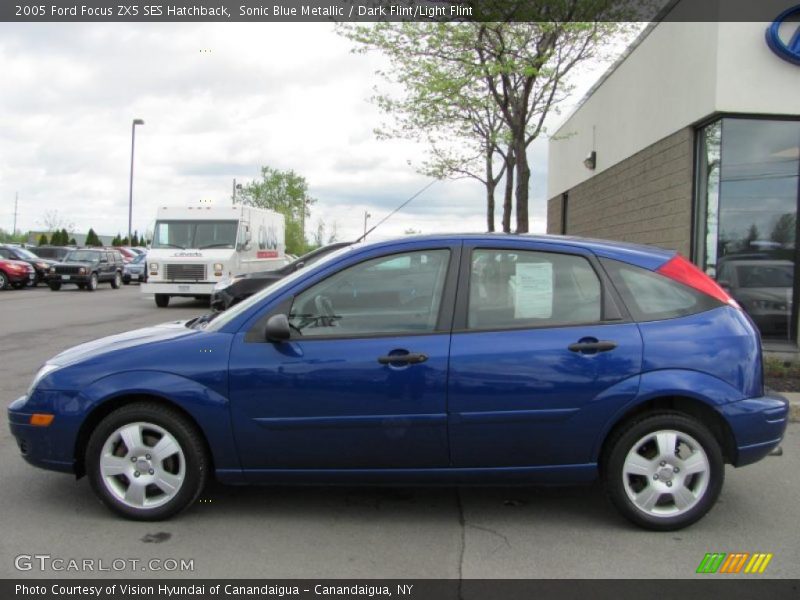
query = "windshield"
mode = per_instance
[
  {"x": 82, "y": 256},
  {"x": 195, "y": 234},
  {"x": 244, "y": 305},
  {"x": 25, "y": 253},
  {"x": 139, "y": 258},
  {"x": 752, "y": 276}
]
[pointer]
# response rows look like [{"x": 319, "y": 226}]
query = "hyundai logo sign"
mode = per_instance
[{"x": 787, "y": 51}]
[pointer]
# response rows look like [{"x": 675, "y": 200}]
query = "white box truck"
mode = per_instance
[{"x": 194, "y": 247}]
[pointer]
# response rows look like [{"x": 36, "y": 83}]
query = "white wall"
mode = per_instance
[{"x": 679, "y": 74}]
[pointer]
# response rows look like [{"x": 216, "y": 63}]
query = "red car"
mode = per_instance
[
  {"x": 16, "y": 273},
  {"x": 127, "y": 254}
]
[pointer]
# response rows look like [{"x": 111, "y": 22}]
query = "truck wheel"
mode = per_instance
[
  {"x": 146, "y": 461},
  {"x": 117, "y": 281},
  {"x": 162, "y": 300},
  {"x": 55, "y": 285},
  {"x": 663, "y": 471},
  {"x": 92, "y": 285}
]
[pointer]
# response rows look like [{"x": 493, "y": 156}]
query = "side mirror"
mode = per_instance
[{"x": 277, "y": 329}]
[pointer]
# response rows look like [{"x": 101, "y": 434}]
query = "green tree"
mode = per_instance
[
  {"x": 116, "y": 240},
  {"x": 72, "y": 242},
  {"x": 512, "y": 65},
  {"x": 63, "y": 237},
  {"x": 285, "y": 192},
  {"x": 135, "y": 239},
  {"x": 43, "y": 240},
  {"x": 784, "y": 230},
  {"x": 92, "y": 239}
]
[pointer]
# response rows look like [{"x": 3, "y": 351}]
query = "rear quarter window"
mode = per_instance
[{"x": 653, "y": 297}]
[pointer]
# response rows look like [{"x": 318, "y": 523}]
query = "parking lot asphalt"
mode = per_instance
[{"x": 352, "y": 532}]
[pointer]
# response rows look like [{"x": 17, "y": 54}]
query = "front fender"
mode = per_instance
[
  {"x": 208, "y": 408},
  {"x": 702, "y": 387}
]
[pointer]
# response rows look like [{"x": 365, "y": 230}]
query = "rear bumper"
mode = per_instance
[
  {"x": 758, "y": 426},
  {"x": 200, "y": 288}
]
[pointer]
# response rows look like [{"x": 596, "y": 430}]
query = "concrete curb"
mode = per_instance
[{"x": 794, "y": 405}]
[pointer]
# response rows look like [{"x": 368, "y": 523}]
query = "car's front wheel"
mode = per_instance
[
  {"x": 117, "y": 281},
  {"x": 92, "y": 283},
  {"x": 146, "y": 462},
  {"x": 663, "y": 471},
  {"x": 54, "y": 285}
]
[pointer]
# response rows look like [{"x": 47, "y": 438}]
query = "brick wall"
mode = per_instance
[{"x": 646, "y": 198}]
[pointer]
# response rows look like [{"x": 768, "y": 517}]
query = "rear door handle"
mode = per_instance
[
  {"x": 592, "y": 347},
  {"x": 405, "y": 359}
]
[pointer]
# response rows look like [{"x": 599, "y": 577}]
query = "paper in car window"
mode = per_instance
[{"x": 533, "y": 289}]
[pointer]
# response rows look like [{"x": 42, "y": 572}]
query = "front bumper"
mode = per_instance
[
  {"x": 43, "y": 447},
  {"x": 200, "y": 288},
  {"x": 758, "y": 426},
  {"x": 64, "y": 278}
]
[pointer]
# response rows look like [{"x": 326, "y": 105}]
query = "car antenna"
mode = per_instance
[{"x": 374, "y": 227}]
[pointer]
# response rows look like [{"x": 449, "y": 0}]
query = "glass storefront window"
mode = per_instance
[{"x": 747, "y": 185}]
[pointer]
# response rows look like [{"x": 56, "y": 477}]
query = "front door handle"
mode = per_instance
[
  {"x": 404, "y": 359},
  {"x": 590, "y": 347}
]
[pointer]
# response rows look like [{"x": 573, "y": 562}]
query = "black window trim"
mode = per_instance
[
  {"x": 613, "y": 310},
  {"x": 444, "y": 321}
]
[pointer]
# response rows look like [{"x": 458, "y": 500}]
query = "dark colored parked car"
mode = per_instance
[
  {"x": 482, "y": 359},
  {"x": 232, "y": 291},
  {"x": 135, "y": 270},
  {"x": 15, "y": 273},
  {"x": 764, "y": 289},
  {"x": 55, "y": 253},
  {"x": 87, "y": 268},
  {"x": 40, "y": 265}
]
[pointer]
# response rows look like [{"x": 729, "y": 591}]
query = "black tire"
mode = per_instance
[
  {"x": 18, "y": 285},
  {"x": 117, "y": 281},
  {"x": 81, "y": 286},
  {"x": 3, "y": 281},
  {"x": 126, "y": 280},
  {"x": 92, "y": 284},
  {"x": 189, "y": 439},
  {"x": 54, "y": 285},
  {"x": 624, "y": 440},
  {"x": 162, "y": 300}
]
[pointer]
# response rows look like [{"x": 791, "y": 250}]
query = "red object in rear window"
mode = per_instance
[{"x": 681, "y": 270}]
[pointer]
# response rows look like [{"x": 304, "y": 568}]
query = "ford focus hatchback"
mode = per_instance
[{"x": 478, "y": 359}]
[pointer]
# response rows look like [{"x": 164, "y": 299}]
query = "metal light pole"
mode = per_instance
[
  {"x": 366, "y": 216},
  {"x": 130, "y": 189}
]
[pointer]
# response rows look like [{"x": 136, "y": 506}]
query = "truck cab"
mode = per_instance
[{"x": 195, "y": 247}]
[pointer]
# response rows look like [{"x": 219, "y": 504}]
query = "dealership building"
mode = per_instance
[{"x": 691, "y": 141}]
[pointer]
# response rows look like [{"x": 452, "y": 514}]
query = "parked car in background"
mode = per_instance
[
  {"x": 51, "y": 252},
  {"x": 40, "y": 265},
  {"x": 232, "y": 291},
  {"x": 763, "y": 288},
  {"x": 560, "y": 360},
  {"x": 127, "y": 254},
  {"x": 135, "y": 270},
  {"x": 15, "y": 273},
  {"x": 87, "y": 268}
]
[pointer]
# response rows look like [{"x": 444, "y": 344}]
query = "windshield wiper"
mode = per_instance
[
  {"x": 202, "y": 320},
  {"x": 220, "y": 245}
]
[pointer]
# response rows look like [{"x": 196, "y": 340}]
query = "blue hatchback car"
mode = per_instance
[{"x": 453, "y": 359}]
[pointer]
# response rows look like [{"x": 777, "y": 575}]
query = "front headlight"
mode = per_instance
[
  {"x": 154, "y": 266},
  {"x": 225, "y": 283},
  {"x": 52, "y": 269},
  {"x": 41, "y": 374},
  {"x": 82, "y": 271}
]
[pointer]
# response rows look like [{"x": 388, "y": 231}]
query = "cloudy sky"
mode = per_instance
[{"x": 219, "y": 100}]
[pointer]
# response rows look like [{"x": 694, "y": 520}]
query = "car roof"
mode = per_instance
[{"x": 649, "y": 257}]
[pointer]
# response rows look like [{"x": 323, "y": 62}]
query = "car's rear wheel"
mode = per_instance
[
  {"x": 3, "y": 281},
  {"x": 146, "y": 462},
  {"x": 663, "y": 471},
  {"x": 55, "y": 285},
  {"x": 92, "y": 284},
  {"x": 162, "y": 300},
  {"x": 117, "y": 281}
]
